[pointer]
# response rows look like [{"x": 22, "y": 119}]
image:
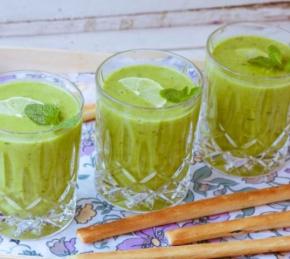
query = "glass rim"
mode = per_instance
[
  {"x": 236, "y": 73},
  {"x": 51, "y": 75},
  {"x": 115, "y": 100}
]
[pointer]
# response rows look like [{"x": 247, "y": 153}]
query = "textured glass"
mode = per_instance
[
  {"x": 143, "y": 153},
  {"x": 37, "y": 172},
  {"x": 245, "y": 120}
]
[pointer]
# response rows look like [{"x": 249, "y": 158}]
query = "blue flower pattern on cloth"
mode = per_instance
[
  {"x": 91, "y": 209},
  {"x": 153, "y": 237},
  {"x": 62, "y": 247}
]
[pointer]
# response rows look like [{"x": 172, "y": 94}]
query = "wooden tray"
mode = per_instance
[{"x": 52, "y": 60}]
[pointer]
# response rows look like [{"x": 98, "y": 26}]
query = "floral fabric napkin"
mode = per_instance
[{"x": 91, "y": 209}]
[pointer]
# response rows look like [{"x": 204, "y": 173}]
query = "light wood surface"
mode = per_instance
[
  {"x": 57, "y": 61},
  {"x": 53, "y": 60}
]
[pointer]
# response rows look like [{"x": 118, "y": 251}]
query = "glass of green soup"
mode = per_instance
[
  {"x": 245, "y": 114},
  {"x": 40, "y": 130},
  {"x": 147, "y": 108}
]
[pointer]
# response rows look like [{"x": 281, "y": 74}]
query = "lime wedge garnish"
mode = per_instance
[
  {"x": 145, "y": 88},
  {"x": 250, "y": 52},
  {"x": 15, "y": 106}
]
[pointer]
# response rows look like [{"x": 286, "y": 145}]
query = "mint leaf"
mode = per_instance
[
  {"x": 43, "y": 114},
  {"x": 274, "y": 60},
  {"x": 261, "y": 62},
  {"x": 275, "y": 56},
  {"x": 176, "y": 96}
]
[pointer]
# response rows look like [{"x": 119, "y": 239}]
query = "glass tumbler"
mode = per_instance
[
  {"x": 38, "y": 167},
  {"x": 144, "y": 152},
  {"x": 245, "y": 118}
]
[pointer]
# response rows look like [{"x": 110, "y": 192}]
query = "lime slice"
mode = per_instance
[
  {"x": 250, "y": 52},
  {"x": 15, "y": 106},
  {"x": 145, "y": 88}
]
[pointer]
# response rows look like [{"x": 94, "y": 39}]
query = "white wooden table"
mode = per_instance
[{"x": 111, "y": 25}]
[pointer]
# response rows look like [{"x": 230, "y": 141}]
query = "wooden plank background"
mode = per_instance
[{"x": 112, "y": 25}]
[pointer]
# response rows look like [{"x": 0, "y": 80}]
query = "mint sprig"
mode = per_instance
[
  {"x": 43, "y": 114},
  {"x": 273, "y": 60},
  {"x": 275, "y": 56},
  {"x": 176, "y": 96},
  {"x": 261, "y": 61}
]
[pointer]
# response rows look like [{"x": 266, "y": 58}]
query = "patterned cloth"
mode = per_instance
[{"x": 91, "y": 209}]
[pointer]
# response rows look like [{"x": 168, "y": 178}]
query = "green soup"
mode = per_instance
[
  {"x": 38, "y": 165},
  {"x": 143, "y": 149},
  {"x": 247, "y": 108}
]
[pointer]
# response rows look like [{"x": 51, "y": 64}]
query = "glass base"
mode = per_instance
[
  {"x": 126, "y": 197},
  {"x": 245, "y": 166},
  {"x": 38, "y": 227}
]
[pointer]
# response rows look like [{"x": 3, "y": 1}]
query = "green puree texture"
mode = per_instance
[
  {"x": 38, "y": 91},
  {"x": 166, "y": 77},
  {"x": 234, "y": 53},
  {"x": 35, "y": 168},
  {"x": 142, "y": 149},
  {"x": 247, "y": 110}
]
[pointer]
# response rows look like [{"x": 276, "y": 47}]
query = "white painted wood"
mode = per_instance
[
  {"x": 31, "y": 10},
  {"x": 178, "y": 38},
  {"x": 276, "y": 12},
  {"x": 164, "y": 38},
  {"x": 111, "y": 25}
]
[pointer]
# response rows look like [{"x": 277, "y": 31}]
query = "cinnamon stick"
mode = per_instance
[
  {"x": 191, "y": 210},
  {"x": 193, "y": 234},
  {"x": 201, "y": 251}
]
